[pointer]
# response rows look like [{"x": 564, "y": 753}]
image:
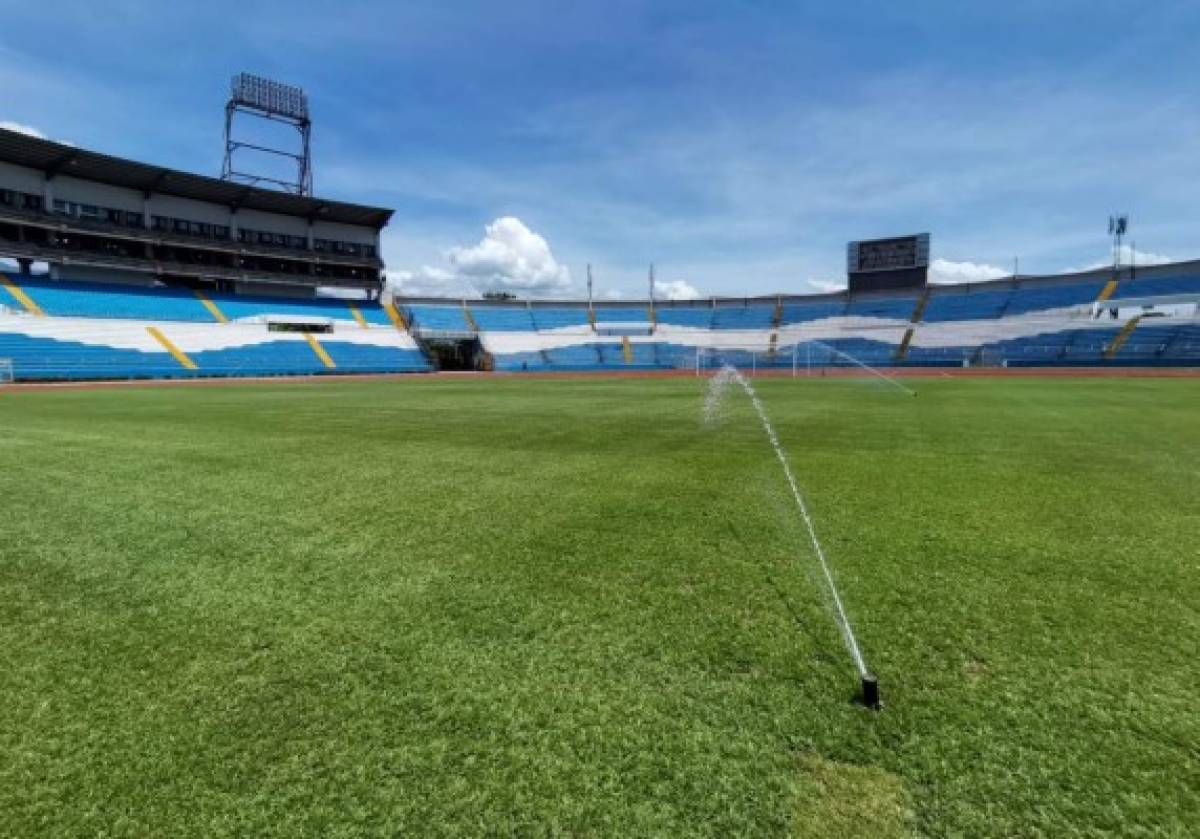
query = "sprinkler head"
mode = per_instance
[{"x": 870, "y": 692}]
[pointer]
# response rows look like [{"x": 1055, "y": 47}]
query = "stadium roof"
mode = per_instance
[{"x": 56, "y": 158}]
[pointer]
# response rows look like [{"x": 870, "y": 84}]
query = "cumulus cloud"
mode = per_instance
[
  {"x": 512, "y": 258},
  {"x": 675, "y": 290},
  {"x": 942, "y": 271},
  {"x": 22, "y": 128},
  {"x": 509, "y": 258}
]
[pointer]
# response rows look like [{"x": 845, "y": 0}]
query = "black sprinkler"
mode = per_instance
[{"x": 870, "y": 692}]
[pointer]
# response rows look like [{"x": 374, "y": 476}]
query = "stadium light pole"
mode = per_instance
[
  {"x": 1117, "y": 227},
  {"x": 273, "y": 101}
]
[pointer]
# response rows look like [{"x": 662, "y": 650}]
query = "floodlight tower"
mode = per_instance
[
  {"x": 1118, "y": 226},
  {"x": 269, "y": 100}
]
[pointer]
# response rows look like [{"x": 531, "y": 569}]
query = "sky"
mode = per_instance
[{"x": 735, "y": 145}]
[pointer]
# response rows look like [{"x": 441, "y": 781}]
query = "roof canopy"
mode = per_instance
[{"x": 56, "y": 158}]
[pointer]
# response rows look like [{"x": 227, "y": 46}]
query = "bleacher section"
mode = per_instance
[
  {"x": 503, "y": 318},
  {"x": 560, "y": 317},
  {"x": 1158, "y": 287},
  {"x": 884, "y": 308},
  {"x": 746, "y": 316},
  {"x": 957, "y": 305},
  {"x": 54, "y": 329},
  {"x": 1051, "y": 321},
  {"x": 794, "y": 312},
  {"x": 436, "y": 318},
  {"x": 695, "y": 317},
  {"x": 64, "y": 298}
]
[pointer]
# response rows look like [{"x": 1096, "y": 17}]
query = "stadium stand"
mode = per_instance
[
  {"x": 691, "y": 316},
  {"x": 1058, "y": 320},
  {"x": 423, "y": 317},
  {"x": 55, "y": 330},
  {"x": 73, "y": 329},
  {"x": 504, "y": 318},
  {"x": 747, "y": 316},
  {"x": 560, "y": 317}
]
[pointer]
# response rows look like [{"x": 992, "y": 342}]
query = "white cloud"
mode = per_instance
[
  {"x": 613, "y": 294},
  {"x": 22, "y": 128},
  {"x": 426, "y": 281},
  {"x": 675, "y": 290},
  {"x": 512, "y": 258},
  {"x": 827, "y": 286},
  {"x": 943, "y": 271},
  {"x": 1128, "y": 256}
]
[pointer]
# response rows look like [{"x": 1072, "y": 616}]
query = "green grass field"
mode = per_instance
[{"x": 518, "y": 607}]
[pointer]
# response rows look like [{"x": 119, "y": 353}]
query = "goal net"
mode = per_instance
[
  {"x": 809, "y": 358},
  {"x": 749, "y": 360},
  {"x": 6, "y": 371},
  {"x": 806, "y": 358}
]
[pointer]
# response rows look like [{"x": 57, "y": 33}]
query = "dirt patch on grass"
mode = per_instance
[{"x": 839, "y": 799}]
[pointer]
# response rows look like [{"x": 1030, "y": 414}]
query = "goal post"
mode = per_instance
[
  {"x": 751, "y": 361},
  {"x": 806, "y": 358}
]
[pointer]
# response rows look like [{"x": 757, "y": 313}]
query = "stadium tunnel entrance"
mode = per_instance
[{"x": 456, "y": 354}]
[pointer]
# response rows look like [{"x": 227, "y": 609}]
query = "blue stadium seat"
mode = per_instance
[
  {"x": 560, "y": 317},
  {"x": 807, "y": 312},
  {"x": 64, "y": 298},
  {"x": 1056, "y": 296},
  {"x": 890, "y": 308},
  {"x": 948, "y": 305},
  {"x": 449, "y": 318},
  {"x": 1157, "y": 286},
  {"x": 753, "y": 316},
  {"x": 502, "y": 318},
  {"x": 699, "y": 317}
]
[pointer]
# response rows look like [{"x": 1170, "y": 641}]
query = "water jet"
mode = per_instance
[{"x": 727, "y": 376}]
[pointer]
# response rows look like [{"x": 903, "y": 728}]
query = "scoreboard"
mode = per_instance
[{"x": 880, "y": 264}]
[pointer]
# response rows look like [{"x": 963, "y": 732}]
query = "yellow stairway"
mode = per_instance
[
  {"x": 169, "y": 345},
  {"x": 319, "y": 350},
  {"x": 20, "y": 296},
  {"x": 394, "y": 316},
  {"x": 217, "y": 314},
  {"x": 1122, "y": 337}
]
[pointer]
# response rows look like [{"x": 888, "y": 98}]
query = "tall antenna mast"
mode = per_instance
[
  {"x": 589, "y": 276},
  {"x": 651, "y": 282}
]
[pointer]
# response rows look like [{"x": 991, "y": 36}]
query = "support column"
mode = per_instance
[{"x": 25, "y": 265}]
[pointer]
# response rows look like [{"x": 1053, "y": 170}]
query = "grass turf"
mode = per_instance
[{"x": 566, "y": 607}]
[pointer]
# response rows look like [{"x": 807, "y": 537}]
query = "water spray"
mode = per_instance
[
  {"x": 889, "y": 379},
  {"x": 730, "y": 375}
]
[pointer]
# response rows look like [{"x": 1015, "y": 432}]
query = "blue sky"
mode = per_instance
[{"x": 738, "y": 145}]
